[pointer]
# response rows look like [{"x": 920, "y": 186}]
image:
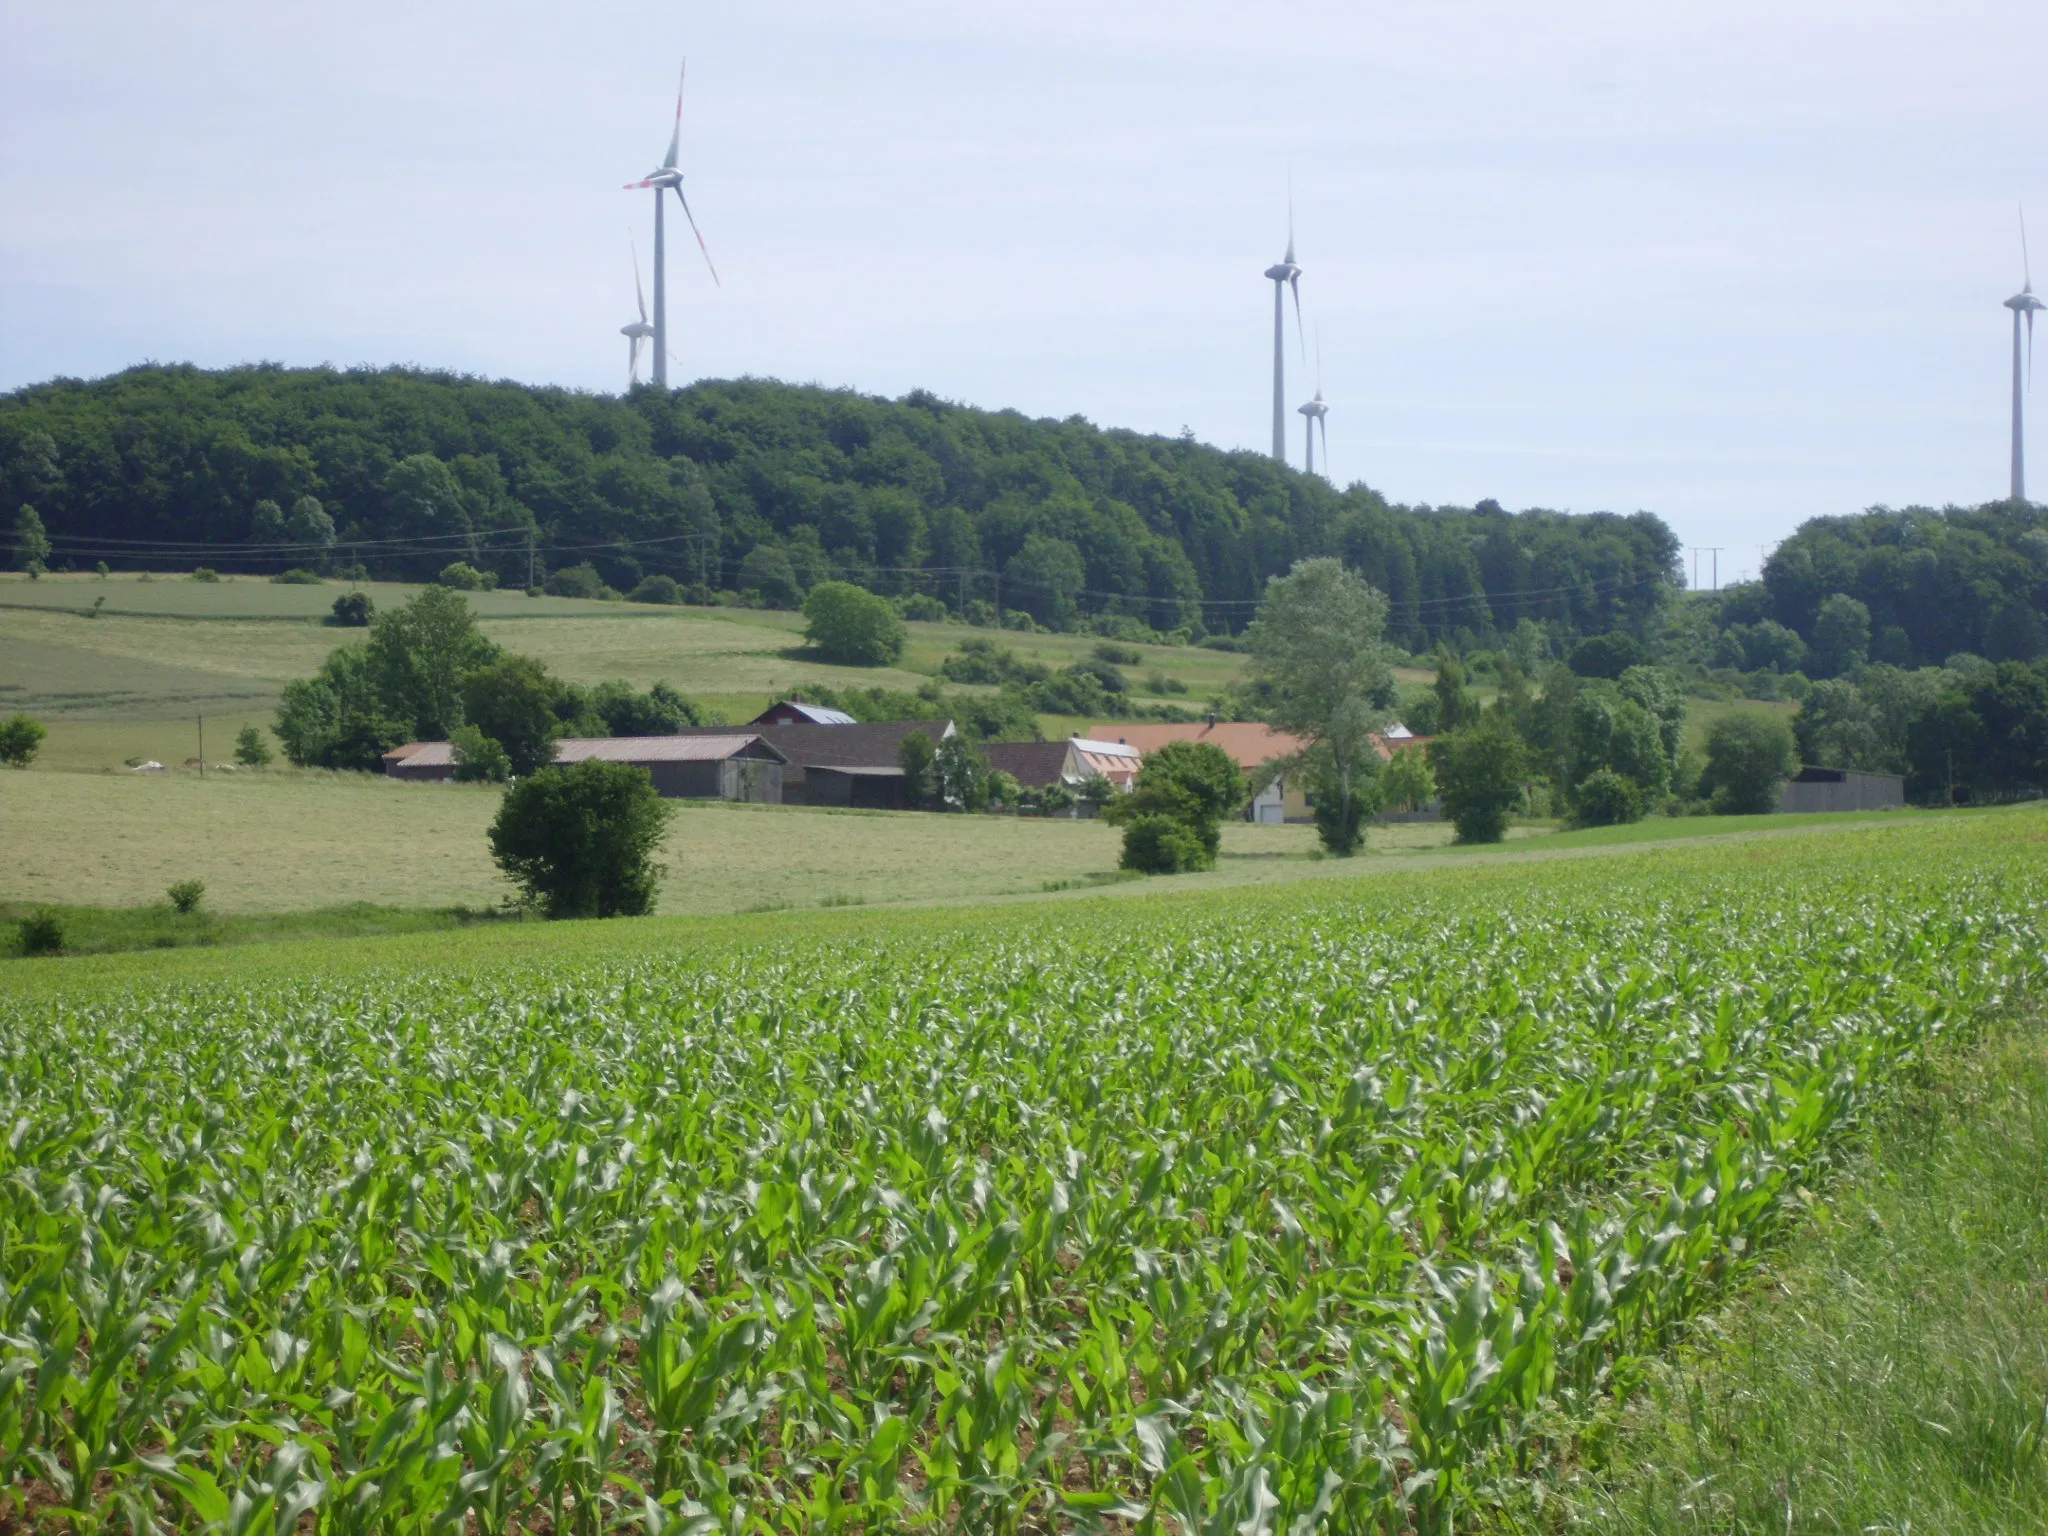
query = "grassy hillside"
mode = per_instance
[{"x": 129, "y": 682}]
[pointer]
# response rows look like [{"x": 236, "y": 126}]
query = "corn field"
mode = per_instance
[{"x": 1268, "y": 1214}]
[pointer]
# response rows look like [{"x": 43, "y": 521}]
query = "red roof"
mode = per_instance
[{"x": 1249, "y": 742}]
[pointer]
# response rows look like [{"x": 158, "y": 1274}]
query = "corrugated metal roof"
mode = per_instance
[
  {"x": 1105, "y": 748},
  {"x": 816, "y": 714}
]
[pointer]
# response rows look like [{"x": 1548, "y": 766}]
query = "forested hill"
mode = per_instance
[
  {"x": 1964, "y": 579},
  {"x": 755, "y": 485}
]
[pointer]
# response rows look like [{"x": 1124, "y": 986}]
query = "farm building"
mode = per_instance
[
  {"x": 801, "y": 764},
  {"x": 1036, "y": 764},
  {"x": 1116, "y": 761},
  {"x": 1841, "y": 789},
  {"x": 797, "y": 712},
  {"x": 728, "y": 765},
  {"x": 1248, "y": 744}
]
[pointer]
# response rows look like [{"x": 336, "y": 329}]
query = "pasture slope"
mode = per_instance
[
  {"x": 1317, "y": 1207},
  {"x": 129, "y": 682}
]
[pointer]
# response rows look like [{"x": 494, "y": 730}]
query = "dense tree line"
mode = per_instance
[
  {"x": 1905, "y": 589},
  {"x": 769, "y": 489}
]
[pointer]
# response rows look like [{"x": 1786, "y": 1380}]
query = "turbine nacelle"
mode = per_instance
[
  {"x": 661, "y": 176},
  {"x": 2024, "y": 302},
  {"x": 1283, "y": 271}
]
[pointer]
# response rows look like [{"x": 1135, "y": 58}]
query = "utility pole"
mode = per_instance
[
  {"x": 529, "y": 559},
  {"x": 998, "y": 574},
  {"x": 1715, "y": 551},
  {"x": 202, "y": 746}
]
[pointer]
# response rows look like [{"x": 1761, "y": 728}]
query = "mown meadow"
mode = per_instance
[{"x": 1309, "y": 1208}]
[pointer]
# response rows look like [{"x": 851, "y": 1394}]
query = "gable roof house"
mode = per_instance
[{"x": 1248, "y": 743}]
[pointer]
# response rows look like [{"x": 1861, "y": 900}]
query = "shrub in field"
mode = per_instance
[
  {"x": 186, "y": 895},
  {"x": 1479, "y": 773},
  {"x": 298, "y": 576},
  {"x": 580, "y": 840},
  {"x": 852, "y": 626},
  {"x": 21, "y": 737},
  {"x": 206, "y": 573},
  {"x": 1162, "y": 845},
  {"x": 352, "y": 610},
  {"x": 479, "y": 759},
  {"x": 1748, "y": 757},
  {"x": 1192, "y": 784},
  {"x": 577, "y": 581},
  {"x": 40, "y": 933},
  {"x": 656, "y": 589},
  {"x": 251, "y": 750},
  {"x": 1607, "y": 799},
  {"x": 461, "y": 576}
]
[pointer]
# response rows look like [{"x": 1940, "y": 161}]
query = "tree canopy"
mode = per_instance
[{"x": 755, "y": 486}]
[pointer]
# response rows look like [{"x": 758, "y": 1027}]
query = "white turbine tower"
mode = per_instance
[
  {"x": 1283, "y": 274},
  {"x": 639, "y": 330},
  {"x": 1317, "y": 414},
  {"x": 662, "y": 178},
  {"x": 2021, "y": 303}
]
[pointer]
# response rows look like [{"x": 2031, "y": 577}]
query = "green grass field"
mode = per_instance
[
  {"x": 1340, "y": 1205},
  {"x": 132, "y": 681},
  {"x": 1889, "y": 1370},
  {"x": 297, "y": 841}
]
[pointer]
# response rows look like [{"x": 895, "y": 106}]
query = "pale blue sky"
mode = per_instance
[{"x": 1736, "y": 263}]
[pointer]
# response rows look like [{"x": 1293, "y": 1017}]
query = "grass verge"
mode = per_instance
[
  {"x": 1890, "y": 1372},
  {"x": 114, "y": 930}
]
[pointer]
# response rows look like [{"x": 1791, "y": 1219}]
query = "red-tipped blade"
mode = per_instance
[
  {"x": 700, "y": 236},
  {"x": 675, "y": 139}
]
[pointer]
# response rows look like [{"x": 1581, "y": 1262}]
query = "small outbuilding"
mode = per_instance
[{"x": 1841, "y": 789}]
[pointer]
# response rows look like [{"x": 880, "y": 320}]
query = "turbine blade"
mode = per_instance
[
  {"x": 1300, "y": 336},
  {"x": 633, "y": 362},
  {"x": 2030, "y": 351},
  {"x": 2026, "y": 265},
  {"x": 700, "y": 236},
  {"x": 675, "y": 139},
  {"x": 638, "y": 292},
  {"x": 1323, "y": 431},
  {"x": 1290, "y": 218}
]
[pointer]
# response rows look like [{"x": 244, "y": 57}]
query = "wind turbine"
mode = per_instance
[
  {"x": 2021, "y": 303},
  {"x": 638, "y": 331},
  {"x": 1283, "y": 274},
  {"x": 1317, "y": 413},
  {"x": 661, "y": 178}
]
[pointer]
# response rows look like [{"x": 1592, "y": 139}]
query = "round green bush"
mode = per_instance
[
  {"x": 1607, "y": 799},
  {"x": 1161, "y": 845}
]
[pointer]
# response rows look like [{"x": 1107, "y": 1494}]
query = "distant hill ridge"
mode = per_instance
[{"x": 756, "y": 485}]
